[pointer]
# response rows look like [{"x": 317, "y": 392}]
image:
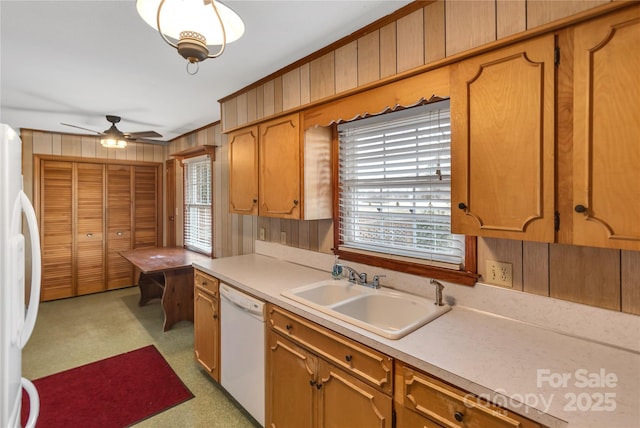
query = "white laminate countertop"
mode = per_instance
[{"x": 553, "y": 378}]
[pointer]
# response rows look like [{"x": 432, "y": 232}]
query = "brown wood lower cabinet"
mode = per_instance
[
  {"x": 206, "y": 323},
  {"x": 424, "y": 401},
  {"x": 317, "y": 378}
]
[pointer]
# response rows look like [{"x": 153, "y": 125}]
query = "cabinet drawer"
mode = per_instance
[
  {"x": 370, "y": 365},
  {"x": 449, "y": 406},
  {"x": 206, "y": 282}
]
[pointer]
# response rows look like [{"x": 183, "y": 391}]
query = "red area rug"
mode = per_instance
[{"x": 114, "y": 392}]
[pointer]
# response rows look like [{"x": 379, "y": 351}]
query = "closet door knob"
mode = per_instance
[
  {"x": 459, "y": 416},
  {"x": 580, "y": 209},
  {"x": 119, "y": 233},
  {"x": 89, "y": 235}
]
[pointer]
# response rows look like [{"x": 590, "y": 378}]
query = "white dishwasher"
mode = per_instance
[{"x": 243, "y": 349}]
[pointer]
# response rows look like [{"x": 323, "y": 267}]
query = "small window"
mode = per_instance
[
  {"x": 198, "y": 218},
  {"x": 394, "y": 189}
]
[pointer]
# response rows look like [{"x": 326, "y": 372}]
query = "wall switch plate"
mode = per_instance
[
  {"x": 499, "y": 273},
  {"x": 283, "y": 237},
  {"x": 262, "y": 234}
]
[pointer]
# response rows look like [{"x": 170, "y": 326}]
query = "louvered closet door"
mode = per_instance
[
  {"x": 146, "y": 182},
  {"x": 90, "y": 245},
  {"x": 119, "y": 270},
  {"x": 56, "y": 229}
]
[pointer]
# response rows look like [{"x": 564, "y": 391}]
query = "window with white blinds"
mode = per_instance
[
  {"x": 395, "y": 186},
  {"x": 198, "y": 217}
]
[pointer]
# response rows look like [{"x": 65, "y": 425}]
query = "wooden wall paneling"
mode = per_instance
[
  {"x": 277, "y": 94},
  {"x": 243, "y": 108},
  {"x": 631, "y": 282},
  {"x": 42, "y": 143},
  {"x": 230, "y": 113},
  {"x": 102, "y": 152},
  {"x": 305, "y": 85},
  {"x": 585, "y": 275},
  {"x": 388, "y": 50},
  {"x": 410, "y": 41},
  {"x": 291, "y": 89},
  {"x": 322, "y": 76},
  {"x": 346, "y": 67},
  {"x": 71, "y": 145},
  {"x": 249, "y": 224},
  {"x": 88, "y": 146},
  {"x": 149, "y": 155},
  {"x": 313, "y": 235},
  {"x": 434, "y": 32},
  {"x": 264, "y": 223},
  {"x": 541, "y": 12},
  {"x": 303, "y": 234},
  {"x": 89, "y": 258},
  {"x": 221, "y": 196},
  {"x": 159, "y": 153},
  {"x": 535, "y": 268},
  {"x": 235, "y": 236},
  {"x": 501, "y": 250},
  {"x": 56, "y": 144},
  {"x": 325, "y": 236},
  {"x": 469, "y": 23},
  {"x": 274, "y": 229},
  {"x": 511, "y": 17},
  {"x": 269, "y": 103},
  {"x": 252, "y": 106},
  {"x": 27, "y": 167},
  {"x": 259, "y": 102},
  {"x": 368, "y": 58}
]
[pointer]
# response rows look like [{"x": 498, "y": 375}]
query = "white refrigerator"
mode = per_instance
[{"x": 17, "y": 317}]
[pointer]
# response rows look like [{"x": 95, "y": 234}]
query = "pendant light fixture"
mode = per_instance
[{"x": 190, "y": 26}]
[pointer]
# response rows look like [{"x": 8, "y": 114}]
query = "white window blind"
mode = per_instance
[
  {"x": 198, "y": 218},
  {"x": 395, "y": 186}
]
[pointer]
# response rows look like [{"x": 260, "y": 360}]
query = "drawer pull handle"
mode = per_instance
[
  {"x": 580, "y": 209},
  {"x": 288, "y": 327},
  {"x": 312, "y": 382},
  {"x": 348, "y": 358},
  {"x": 215, "y": 316},
  {"x": 318, "y": 386},
  {"x": 459, "y": 416},
  {"x": 204, "y": 283}
]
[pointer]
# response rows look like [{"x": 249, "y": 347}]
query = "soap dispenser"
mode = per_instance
[{"x": 336, "y": 272}]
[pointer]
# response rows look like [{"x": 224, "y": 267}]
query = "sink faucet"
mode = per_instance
[
  {"x": 359, "y": 278},
  {"x": 439, "y": 288}
]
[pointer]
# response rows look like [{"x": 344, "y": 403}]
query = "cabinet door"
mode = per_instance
[
  {"x": 279, "y": 179},
  {"x": 147, "y": 204},
  {"x": 243, "y": 171},
  {"x": 119, "y": 270},
  {"x": 607, "y": 131},
  {"x": 89, "y": 257},
  {"x": 291, "y": 384},
  {"x": 346, "y": 402},
  {"x": 502, "y": 120},
  {"x": 207, "y": 332},
  {"x": 56, "y": 229}
]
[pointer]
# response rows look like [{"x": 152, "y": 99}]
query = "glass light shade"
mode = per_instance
[
  {"x": 192, "y": 15},
  {"x": 113, "y": 143}
]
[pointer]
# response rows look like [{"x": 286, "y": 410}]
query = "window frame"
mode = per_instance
[
  {"x": 468, "y": 276},
  {"x": 183, "y": 162}
]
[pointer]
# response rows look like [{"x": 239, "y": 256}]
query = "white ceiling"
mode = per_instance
[{"x": 76, "y": 61}]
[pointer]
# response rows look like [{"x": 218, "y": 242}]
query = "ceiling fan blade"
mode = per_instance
[
  {"x": 80, "y": 127},
  {"x": 144, "y": 134},
  {"x": 149, "y": 141}
]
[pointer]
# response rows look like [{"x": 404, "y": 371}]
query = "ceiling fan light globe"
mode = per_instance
[
  {"x": 192, "y": 15},
  {"x": 115, "y": 143}
]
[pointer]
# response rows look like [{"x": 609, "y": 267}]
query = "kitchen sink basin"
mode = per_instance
[{"x": 388, "y": 313}]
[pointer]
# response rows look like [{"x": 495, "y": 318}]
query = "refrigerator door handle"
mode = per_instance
[
  {"x": 22, "y": 204},
  {"x": 34, "y": 403}
]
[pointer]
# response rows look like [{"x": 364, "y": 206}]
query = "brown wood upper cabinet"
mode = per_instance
[
  {"x": 521, "y": 167},
  {"x": 277, "y": 170},
  {"x": 502, "y": 119},
  {"x": 606, "y": 130}
]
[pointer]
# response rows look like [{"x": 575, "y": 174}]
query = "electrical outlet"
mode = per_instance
[
  {"x": 499, "y": 273},
  {"x": 262, "y": 234},
  {"x": 283, "y": 237}
]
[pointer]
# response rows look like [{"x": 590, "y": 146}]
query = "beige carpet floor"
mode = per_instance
[{"x": 72, "y": 332}]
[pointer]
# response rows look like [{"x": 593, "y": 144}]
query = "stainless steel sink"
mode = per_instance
[{"x": 388, "y": 313}]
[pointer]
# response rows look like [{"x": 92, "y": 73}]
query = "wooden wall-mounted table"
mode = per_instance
[{"x": 166, "y": 273}]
